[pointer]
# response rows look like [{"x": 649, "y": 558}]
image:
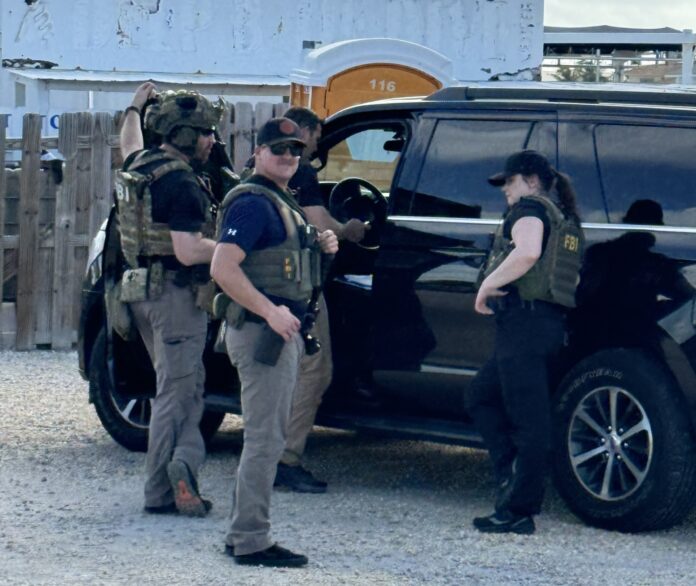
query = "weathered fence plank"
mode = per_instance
[
  {"x": 280, "y": 108},
  {"x": 100, "y": 186},
  {"x": 243, "y": 134},
  {"x": 262, "y": 113},
  {"x": 63, "y": 264},
  {"x": 28, "y": 231},
  {"x": 83, "y": 169},
  {"x": 3, "y": 192},
  {"x": 4, "y": 338},
  {"x": 43, "y": 289},
  {"x": 45, "y": 232},
  {"x": 225, "y": 129}
]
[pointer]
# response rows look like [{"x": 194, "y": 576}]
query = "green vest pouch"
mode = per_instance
[
  {"x": 142, "y": 284},
  {"x": 118, "y": 313}
]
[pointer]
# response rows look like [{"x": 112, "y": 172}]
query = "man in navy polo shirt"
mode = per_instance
[{"x": 267, "y": 261}]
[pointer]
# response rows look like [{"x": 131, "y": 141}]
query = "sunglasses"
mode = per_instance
[
  {"x": 206, "y": 131},
  {"x": 281, "y": 148}
]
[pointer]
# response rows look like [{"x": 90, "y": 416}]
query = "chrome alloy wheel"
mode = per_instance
[
  {"x": 610, "y": 443},
  {"x": 134, "y": 411}
]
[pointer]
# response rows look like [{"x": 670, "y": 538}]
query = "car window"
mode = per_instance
[
  {"x": 641, "y": 163},
  {"x": 364, "y": 155},
  {"x": 578, "y": 160},
  {"x": 462, "y": 155}
]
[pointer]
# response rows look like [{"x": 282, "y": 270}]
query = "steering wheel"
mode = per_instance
[{"x": 357, "y": 198}]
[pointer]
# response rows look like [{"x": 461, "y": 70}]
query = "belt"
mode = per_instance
[
  {"x": 533, "y": 304},
  {"x": 254, "y": 318}
]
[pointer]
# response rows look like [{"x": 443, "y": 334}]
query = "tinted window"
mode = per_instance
[
  {"x": 365, "y": 154},
  {"x": 462, "y": 155},
  {"x": 579, "y": 160},
  {"x": 649, "y": 163}
]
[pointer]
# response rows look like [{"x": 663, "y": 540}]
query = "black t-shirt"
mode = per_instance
[
  {"x": 527, "y": 208},
  {"x": 305, "y": 184},
  {"x": 178, "y": 200}
]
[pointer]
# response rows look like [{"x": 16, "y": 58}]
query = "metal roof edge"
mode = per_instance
[{"x": 138, "y": 77}]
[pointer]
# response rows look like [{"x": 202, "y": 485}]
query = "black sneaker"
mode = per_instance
[
  {"x": 275, "y": 556},
  {"x": 188, "y": 501},
  {"x": 297, "y": 479},
  {"x": 505, "y": 522}
]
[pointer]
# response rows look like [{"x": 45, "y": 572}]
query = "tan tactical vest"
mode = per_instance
[
  {"x": 140, "y": 236},
  {"x": 554, "y": 277},
  {"x": 292, "y": 268}
]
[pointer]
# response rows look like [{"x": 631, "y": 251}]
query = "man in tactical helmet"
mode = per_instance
[
  {"x": 165, "y": 227},
  {"x": 268, "y": 263}
]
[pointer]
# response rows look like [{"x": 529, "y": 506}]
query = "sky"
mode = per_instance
[{"x": 679, "y": 14}]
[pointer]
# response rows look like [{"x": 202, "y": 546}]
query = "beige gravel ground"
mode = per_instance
[{"x": 397, "y": 512}]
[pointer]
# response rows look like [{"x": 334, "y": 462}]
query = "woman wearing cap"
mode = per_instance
[{"x": 509, "y": 397}]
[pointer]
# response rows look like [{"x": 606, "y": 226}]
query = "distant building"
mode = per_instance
[
  {"x": 663, "y": 55},
  {"x": 656, "y": 73}
]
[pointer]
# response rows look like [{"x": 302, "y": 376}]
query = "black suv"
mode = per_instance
[{"x": 405, "y": 337}]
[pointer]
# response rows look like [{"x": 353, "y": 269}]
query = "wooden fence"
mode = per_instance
[{"x": 46, "y": 224}]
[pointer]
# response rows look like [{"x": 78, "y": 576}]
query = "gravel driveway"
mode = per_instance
[{"x": 397, "y": 512}]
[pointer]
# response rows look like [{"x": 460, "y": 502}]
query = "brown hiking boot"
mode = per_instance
[{"x": 188, "y": 501}]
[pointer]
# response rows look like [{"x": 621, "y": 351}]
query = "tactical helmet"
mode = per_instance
[{"x": 182, "y": 108}]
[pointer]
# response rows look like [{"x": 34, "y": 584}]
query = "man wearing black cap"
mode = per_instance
[
  {"x": 267, "y": 261},
  {"x": 316, "y": 369}
]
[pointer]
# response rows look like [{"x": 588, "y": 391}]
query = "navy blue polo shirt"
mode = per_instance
[{"x": 252, "y": 222}]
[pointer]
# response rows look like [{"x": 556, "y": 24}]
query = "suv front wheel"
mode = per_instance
[
  {"x": 127, "y": 419},
  {"x": 624, "y": 456}
]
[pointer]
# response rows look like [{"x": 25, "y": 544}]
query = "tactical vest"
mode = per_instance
[
  {"x": 140, "y": 236},
  {"x": 291, "y": 269},
  {"x": 554, "y": 277}
]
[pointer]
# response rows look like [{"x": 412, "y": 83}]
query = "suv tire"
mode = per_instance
[
  {"x": 127, "y": 419},
  {"x": 624, "y": 454}
]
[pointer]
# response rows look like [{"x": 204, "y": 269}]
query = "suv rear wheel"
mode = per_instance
[
  {"x": 127, "y": 419},
  {"x": 624, "y": 456}
]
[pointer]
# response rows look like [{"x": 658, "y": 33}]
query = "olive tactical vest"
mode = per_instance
[
  {"x": 290, "y": 269},
  {"x": 140, "y": 236},
  {"x": 554, "y": 277}
]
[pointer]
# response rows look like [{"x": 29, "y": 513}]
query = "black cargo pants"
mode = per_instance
[{"x": 509, "y": 400}]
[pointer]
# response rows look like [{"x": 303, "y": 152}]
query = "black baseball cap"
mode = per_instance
[
  {"x": 279, "y": 130},
  {"x": 525, "y": 163}
]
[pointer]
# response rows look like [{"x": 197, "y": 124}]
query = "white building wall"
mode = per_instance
[
  {"x": 264, "y": 37},
  {"x": 482, "y": 38}
]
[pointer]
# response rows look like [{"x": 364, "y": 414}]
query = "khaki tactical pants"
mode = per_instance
[
  {"x": 174, "y": 333},
  {"x": 314, "y": 379},
  {"x": 266, "y": 396}
]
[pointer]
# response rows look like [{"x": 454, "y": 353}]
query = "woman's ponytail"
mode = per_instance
[{"x": 566, "y": 196}]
